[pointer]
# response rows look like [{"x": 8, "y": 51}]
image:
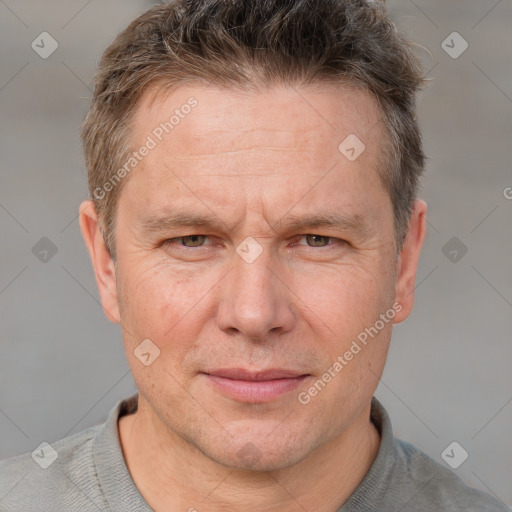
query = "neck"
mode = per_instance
[{"x": 171, "y": 474}]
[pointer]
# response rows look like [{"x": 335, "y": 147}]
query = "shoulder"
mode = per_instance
[
  {"x": 61, "y": 473},
  {"x": 427, "y": 485}
]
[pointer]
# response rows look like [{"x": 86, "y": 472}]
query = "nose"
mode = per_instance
[{"x": 256, "y": 301}]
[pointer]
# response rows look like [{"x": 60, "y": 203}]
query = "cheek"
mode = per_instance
[
  {"x": 344, "y": 300},
  {"x": 164, "y": 304},
  {"x": 164, "y": 307},
  {"x": 350, "y": 302}
]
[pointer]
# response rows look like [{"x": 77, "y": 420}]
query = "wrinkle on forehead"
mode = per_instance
[
  {"x": 253, "y": 149},
  {"x": 232, "y": 142},
  {"x": 275, "y": 118},
  {"x": 276, "y": 135}
]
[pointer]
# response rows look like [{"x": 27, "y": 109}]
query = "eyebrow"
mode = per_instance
[{"x": 356, "y": 223}]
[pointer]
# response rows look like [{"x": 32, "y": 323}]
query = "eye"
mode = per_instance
[
  {"x": 183, "y": 241},
  {"x": 320, "y": 240}
]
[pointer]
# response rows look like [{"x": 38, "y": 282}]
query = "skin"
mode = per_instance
[{"x": 249, "y": 160}]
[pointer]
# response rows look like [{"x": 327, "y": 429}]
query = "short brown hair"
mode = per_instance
[{"x": 256, "y": 43}]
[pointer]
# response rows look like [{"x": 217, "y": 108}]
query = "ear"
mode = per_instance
[
  {"x": 104, "y": 268},
  {"x": 408, "y": 260}
]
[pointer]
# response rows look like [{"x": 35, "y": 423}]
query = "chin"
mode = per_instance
[{"x": 260, "y": 456}]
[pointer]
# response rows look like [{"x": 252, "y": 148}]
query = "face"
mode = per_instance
[{"x": 254, "y": 255}]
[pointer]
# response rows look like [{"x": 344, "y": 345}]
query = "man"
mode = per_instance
[{"x": 255, "y": 230}]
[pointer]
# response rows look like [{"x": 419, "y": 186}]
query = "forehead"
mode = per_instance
[
  {"x": 224, "y": 147},
  {"x": 289, "y": 117}
]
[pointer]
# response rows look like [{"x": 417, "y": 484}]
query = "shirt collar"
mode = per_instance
[
  {"x": 370, "y": 492},
  {"x": 118, "y": 488}
]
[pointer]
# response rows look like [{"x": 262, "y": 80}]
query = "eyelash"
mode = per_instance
[{"x": 171, "y": 241}]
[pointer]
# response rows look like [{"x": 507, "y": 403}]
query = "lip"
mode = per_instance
[
  {"x": 254, "y": 387},
  {"x": 254, "y": 376}
]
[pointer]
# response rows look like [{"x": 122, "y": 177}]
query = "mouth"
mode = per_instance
[{"x": 254, "y": 387}]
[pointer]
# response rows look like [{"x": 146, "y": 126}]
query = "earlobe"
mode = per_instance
[
  {"x": 408, "y": 260},
  {"x": 104, "y": 268}
]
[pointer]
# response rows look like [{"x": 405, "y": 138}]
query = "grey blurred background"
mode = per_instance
[{"x": 448, "y": 378}]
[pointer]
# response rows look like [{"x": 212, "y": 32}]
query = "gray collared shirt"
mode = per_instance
[{"x": 90, "y": 475}]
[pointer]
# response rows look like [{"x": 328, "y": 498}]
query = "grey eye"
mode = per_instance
[
  {"x": 196, "y": 240},
  {"x": 317, "y": 240}
]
